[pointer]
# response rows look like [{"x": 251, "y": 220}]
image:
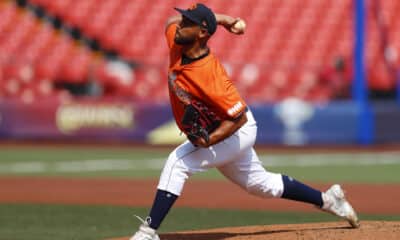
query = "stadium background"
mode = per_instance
[{"x": 83, "y": 95}]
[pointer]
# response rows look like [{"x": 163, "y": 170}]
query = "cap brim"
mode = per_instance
[{"x": 187, "y": 15}]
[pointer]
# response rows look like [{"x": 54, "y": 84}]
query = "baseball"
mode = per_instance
[{"x": 239, "y": 26}]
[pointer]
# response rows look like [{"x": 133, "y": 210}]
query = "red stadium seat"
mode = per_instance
[
  {"x": 26, "y": 43},
  {"x": 284, "y": 40}
]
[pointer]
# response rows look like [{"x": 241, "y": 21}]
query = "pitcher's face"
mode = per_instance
[{"x": 187, "y": 32}]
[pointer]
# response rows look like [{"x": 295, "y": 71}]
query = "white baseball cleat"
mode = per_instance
[
  {"x": 336, "y": 203},
  {"x": 145, "y": 232}
]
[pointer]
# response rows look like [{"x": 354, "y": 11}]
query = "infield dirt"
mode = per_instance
[
  {"x": 314, "y": 231},
  {"x": 140, "y": 193}
]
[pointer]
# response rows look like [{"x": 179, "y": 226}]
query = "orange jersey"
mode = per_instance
[{"x": 205, "y": 79}]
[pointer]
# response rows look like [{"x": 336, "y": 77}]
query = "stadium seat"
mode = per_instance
[
  {"x": 34, "y": 55},
  {"x": 291, "y": 38}
]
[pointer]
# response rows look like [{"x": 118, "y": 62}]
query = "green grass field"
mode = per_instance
[
  {"x": 147, "y": 163},
  {"x": 24, "y": 221}
]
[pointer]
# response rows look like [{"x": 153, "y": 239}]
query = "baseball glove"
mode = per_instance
[{"x": 198, "y": 121}]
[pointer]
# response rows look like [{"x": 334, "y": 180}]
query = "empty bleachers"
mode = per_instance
[
  {"x": 34, "y": 56},
  {"x": 288, "y": 50}
]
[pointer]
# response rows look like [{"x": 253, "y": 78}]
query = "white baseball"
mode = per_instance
[{"x": 240, "y": 26}]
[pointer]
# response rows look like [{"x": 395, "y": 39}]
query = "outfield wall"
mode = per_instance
[{"x": 291, "y": 122}]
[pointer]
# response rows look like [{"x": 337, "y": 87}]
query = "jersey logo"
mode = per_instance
[{"x": 235, "y": 109}]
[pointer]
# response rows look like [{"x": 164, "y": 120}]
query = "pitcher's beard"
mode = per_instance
[{"x": 184, "y": 41}]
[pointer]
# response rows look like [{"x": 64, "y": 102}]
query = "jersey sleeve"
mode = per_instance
[
  {"x": 230, "y": 103},
  {"x": 227, "y": 99},
  {"x": 170, "y": 35}
]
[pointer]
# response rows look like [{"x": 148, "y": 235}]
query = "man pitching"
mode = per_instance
[{"x": 220, "y": 127}]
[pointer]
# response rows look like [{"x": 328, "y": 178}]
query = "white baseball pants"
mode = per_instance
[{"x": 234, "y": 157}]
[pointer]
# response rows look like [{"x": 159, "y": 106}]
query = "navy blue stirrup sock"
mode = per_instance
[
  {"x": 295, "y": 190},
  {"x": 161, "y": 206}
]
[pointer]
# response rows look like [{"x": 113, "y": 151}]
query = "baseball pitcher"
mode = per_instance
[{"x": 219, "y": 125}]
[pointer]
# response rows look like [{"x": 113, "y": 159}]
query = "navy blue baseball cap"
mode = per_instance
[{"x": 202, "y": 15}]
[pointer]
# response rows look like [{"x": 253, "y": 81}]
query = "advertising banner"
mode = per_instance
[
  {"x": 387, "y": 119},
  {"x": 93, "y": 120},
  {"x": 294, "y": 122},
  {"x": 291, "y": 122}
]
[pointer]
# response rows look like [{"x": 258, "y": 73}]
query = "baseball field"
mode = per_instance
[{"x": 86, "y": 191}]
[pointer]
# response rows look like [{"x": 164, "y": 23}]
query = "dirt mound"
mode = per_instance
[{"x": 328, "y": 231}]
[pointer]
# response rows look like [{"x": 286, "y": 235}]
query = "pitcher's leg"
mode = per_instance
[
  {"x": 187, "y": 160},
  {"x": 178, "y": 167},
  {"x": 249, "y": 173}
]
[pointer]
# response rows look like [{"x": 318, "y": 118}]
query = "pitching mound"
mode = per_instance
[{"x": 329, "y": 231}]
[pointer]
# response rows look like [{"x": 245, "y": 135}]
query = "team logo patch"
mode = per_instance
[{"x": 235, "y": 109}]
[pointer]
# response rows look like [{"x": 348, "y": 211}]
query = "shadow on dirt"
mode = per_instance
[{"x": 224, "y": 235}]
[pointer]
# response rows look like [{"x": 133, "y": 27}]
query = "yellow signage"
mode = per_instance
[{"x": 73, "y": 117}]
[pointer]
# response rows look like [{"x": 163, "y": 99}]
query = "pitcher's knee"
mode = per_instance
[
  {"x": 269, "y": 186},
  {"x": 176, "y": 168},
  {"x": 174, "y": 175}
]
